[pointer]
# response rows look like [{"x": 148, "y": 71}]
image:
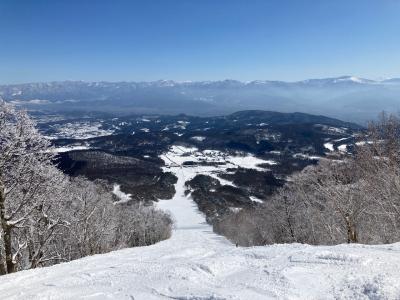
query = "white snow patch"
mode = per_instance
[
  {"x": 342, "y": 139},
  {"x": 249, "y": 161},
  {"x": 351, "y": 79},
  {"x": 198, "y": 138},
  {"x": 362, "y": 143},
  {"x": 235, "y": 209},
  {"x": 342, "y": 148},
  {"x": 177, "y": 155},
  {"x": 255, "y": 199},
  {"x": 181, "y": 125},
  {"x": 123, "y": 197},
  {"x": 275, "y": 152},
  {"x": 329, "y": 146},
  {"x": 184, "y": 122},
  {"x": 38, "y": 101},
  {"x": 341, "y": 130},
  {"x": 69, "y": 148}
]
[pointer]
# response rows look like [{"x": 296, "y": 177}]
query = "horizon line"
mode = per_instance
[{"x": 349, "y": 77}]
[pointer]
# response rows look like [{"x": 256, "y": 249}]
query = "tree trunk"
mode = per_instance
[
  {"x": 351, "y": 231},
  {"x": 10, "y": 265},
  {"x": 3, "y": 269},
  {"x": 289, "y": 220},
  {"x": 8, "y": 249}
]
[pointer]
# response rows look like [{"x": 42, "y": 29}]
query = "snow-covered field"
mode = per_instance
[
  {"x": 180, "y": 154},
  {"x": 70, "y": 148},
  {"x": 78, "y": 130},
  {"x": 196, "y": 264}
]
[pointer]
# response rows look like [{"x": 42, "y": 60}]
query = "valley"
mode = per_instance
[
  {"x": 238, "y": 160},
  {"x": 199, "y": 150},
  {"x": 201, "y": 170},
  {"x": 195, "y": 263}
]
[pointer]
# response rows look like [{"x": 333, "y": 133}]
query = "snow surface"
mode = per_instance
[
  {"x": 196, "y": 264},
  {"x": 123, "y": 197},
  {"x": 306, "y": 156},
  {"x": 180, "y": 154},
  {"x": 198, "y": 138},
  {"x": 352, "y": 79},
  {"x": 329, "y": 146},
  {"x": 69, "y": 148},
  {"x": 255, "y": 199},
  {"x": 342, "y": 148},
  {"x": 78, "y": 130}
]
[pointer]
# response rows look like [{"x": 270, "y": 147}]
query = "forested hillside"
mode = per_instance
[
  {"x": 47, "y": 217},
  {"x": 352, "y": 198}
]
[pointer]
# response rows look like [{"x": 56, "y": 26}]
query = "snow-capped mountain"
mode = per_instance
[
  {"x": 341, "y": 80},
  {"x": 347, "y": 97}
]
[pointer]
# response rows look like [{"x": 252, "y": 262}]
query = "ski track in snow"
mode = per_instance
[{"x": 196, "y": 264}]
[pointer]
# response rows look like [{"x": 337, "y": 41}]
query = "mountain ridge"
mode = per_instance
[
  {"x": 347, "y": 97},
  {"x": 169, "y": 82}
]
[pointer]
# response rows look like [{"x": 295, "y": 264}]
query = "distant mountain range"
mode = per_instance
[{"x": 347, "y": 97}]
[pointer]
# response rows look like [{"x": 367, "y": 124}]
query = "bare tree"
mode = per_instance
[
  {"x": 46, "y": 217},
  {"x": 26, "y": 175},
  {"x": 354, "y": 199}
]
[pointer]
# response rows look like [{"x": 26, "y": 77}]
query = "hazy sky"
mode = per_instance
[{"x": 197, "y": 40}]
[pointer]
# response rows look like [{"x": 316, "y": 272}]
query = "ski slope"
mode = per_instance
[{"x": 196, "y": 264}]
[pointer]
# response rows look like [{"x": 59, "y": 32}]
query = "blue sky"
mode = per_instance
[{"x": 197, "y": 40}]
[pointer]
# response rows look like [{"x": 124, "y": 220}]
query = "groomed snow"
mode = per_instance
[
  {"x": 197, "y": 264},
  {"x": 306, "y": 156}
]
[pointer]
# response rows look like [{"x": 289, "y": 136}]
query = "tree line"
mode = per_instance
[
  {"x": 350, "y": 198},
  {"x": 47, "y": 217}
]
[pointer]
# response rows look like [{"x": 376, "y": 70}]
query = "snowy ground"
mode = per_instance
[
  {"x": 70, "y": 148},
  {"x": 123, "y": 197},
  {"x": 177, "y": 155},
  {"x": 196, "y": 264},
  {"x": 78, "y": 130}
]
